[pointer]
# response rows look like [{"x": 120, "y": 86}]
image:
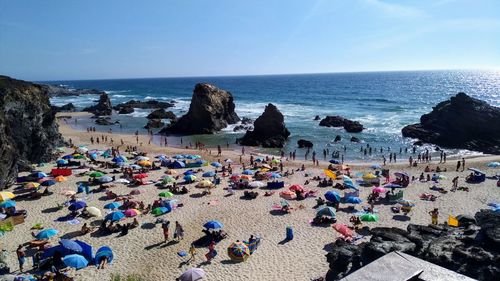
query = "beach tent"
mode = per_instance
[
  {"x": 478, "y": 176},
  {"x": 326, "y": 211},
  {"x": 103, "y": 252},
  {"x": 176, "y": 165},
  {"x": 332, "y": 196}
]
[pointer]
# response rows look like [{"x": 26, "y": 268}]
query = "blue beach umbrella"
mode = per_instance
[
  {"x": 247, "y": 172},
  {"x": 75, "y": 261},
  {"x": 48, "y": 182},
  {"x": 275, "y": 176},
  {"x": 69, "y": 156},
  {"x": 112, "y": 205},
  {"x": 332, "y": 196},
  {"x": 115, "y": 216},
  {"x": 213, "y": 225},
  {"x": 376, "y": 166},
  {"x": 392, "y": 185},
  {"x": 39, "y": 175},
  {"x": 189, "y": 178},
  {"x": 326, "y": 211},
  {"x": 493, "y": 164},
  {"x": 8, "y": 204},
  {"x": 179, "y": 156},
  {"x": 350, "y": 185},
  {"x": 103, "y": 252},
  {"x": 71, "y": 245},
  {"x": 105, "y": 179},
  {"x": 62, "y": 162},
  {"x": 334, "y": 161},
  {"x": 216, "y": 164},
  {"x": 352, "y": 200},
  {"x": 77, "y": 206},
  {"x": 209, "y": 174},
  {"x": 46, "y": 234},
  {"x": 189, "y": 172}
]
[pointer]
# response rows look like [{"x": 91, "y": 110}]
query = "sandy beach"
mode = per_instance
[{"x": 142, "y": 252}]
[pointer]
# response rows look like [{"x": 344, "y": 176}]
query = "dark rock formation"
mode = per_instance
[
  {"x": 162, "y": 114},
  {"x": 127, "y": 109},
  {"x": 62, "y": 91},
  {"x": 242, "y": 128},
  {"x": 304, "y": 143},
  {"x": 337, "y": 138},
  {"x": 28, "y": 131},
  {"x": 70, "y": 107},
  {"x": 317, "y": 118},
  {"x": 338, "y": 121},
  {"x": 461, "y": 122},
  {"x": 149, "y": 104},
  {"x": 211, "y": 110},
  {"x": 246, "y": 121},
  {"x": 354, "y": 139},
  {"x": 154, "y": 123},
  {"x": 269, "y": 130},
  {"x": 103, "y": 106},
  {"x": 471, "y": 249},
  {"x": 105, "y": 121}
]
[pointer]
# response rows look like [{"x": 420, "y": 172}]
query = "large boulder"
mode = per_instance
[
  {"x": 461, "y": 249},
  {"x": 154, "y": 123},
  {"x": 304, "y": 143},
  {"x": 149, "y": 104},
  {"x": 126, "y": 109},
  {"x": 269, "y": 130},
  {"x": 28, "y": 130},
  {"x": 211, "y": 110},
  {"x": 162, "y": 114},
  {"x": 339, "y": 121},
  {"x": 70, "y": 107},
  {"x": 461, "y": 122},
  {"x": 102, "y": 108}
]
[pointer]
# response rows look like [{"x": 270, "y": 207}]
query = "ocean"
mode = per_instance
[{"x": 384, "y": 102}]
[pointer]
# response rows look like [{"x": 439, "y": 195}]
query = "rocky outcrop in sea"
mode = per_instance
[
  {"x": 269, "y": 130},
  {"x": 62, "y": 91},
  {"x": 28, "y": 130},
  {"x": 70, "y": 107},
  {"x": 339, "y": 121},
  {"x": 461, "y": 122},
  {"x": 149, "y": 104},
  {"x": 211, "y": 110},
  {"x": 102, "y": 108},
  {"x": 162, "y": 114},
  {"x": 473, "y": 249}
]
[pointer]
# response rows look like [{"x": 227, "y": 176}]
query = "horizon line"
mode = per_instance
[{"x": 272, "y": 74}]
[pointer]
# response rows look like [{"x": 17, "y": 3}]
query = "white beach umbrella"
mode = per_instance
[{"x": 192, "y": 274}]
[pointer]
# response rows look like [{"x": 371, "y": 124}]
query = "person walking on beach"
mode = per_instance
[
  {"x": 455, "y": 183},
  {"x": 179, "y": 231},
  {"x": 463, "y": 164},
  {"x": 192, "y": 253},
  {"x": 21, "y": 257},
  {"x": 165, "y": 227},
  {"x": 458, "y": 165},
  {"x": 212, "y": 253},
  {"x": 434, "y": 216},
  {"x": 219, "y": 150},
  {"x": 444, "y": 157},
  {"x": 384, "y": 159}
]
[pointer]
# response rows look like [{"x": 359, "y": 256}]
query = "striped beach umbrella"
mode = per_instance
[{"x": 238, "y": 251}]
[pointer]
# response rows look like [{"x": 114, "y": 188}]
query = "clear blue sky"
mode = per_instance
[{"x": 69, "y": 39}]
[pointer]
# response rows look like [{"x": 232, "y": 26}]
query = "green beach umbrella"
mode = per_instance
[
  {"x": 96, "y": 174},
  {"x": 369, "y": 217},
  {"x": 166, "y": 194},
  {"x": 167, "y": 179}
]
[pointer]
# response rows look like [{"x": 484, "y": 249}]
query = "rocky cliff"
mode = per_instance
[
  {"x": 473, "y": 249},
  {"x": 28, "y": 131},
  {"x": 461, "y": 122},
  {"x": 211, "y": 110},
  {"x": 269, "y": 130}
]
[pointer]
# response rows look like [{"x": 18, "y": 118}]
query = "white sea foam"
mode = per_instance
[
  {"x": 116, "y": 92},
  {"x": 139, "y": 112}
]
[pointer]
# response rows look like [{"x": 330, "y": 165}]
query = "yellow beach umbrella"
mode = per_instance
[
  {"x": 330, "y": 174},
  {"x": 204, "y": 183},
  {"x": 171, "y": 172},
  {"x": 94, "y": 211},
  {"x": 31, "y": 185},
  {"x": 5, "y": 196},
  {"x": 369, "y": 176},
  {"x": 144, "y": 163},
  {"x": 60, "y": 179}
]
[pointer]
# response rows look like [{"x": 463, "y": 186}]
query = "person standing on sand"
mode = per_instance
[
  {"x": 463, "y": 164},
  {"x": 458, "y": 165},
  {"x": 165, "y": 227},
  {"x": 192, "y": 252},
  {"x": 444, "y": 157},
  {"x": 434, "y": 216},
  {"x": 384, "y": 160},
  {"x": 212, "y": 253},
  {"x": 21, "y": 257},
  {"x": 219, "y": 150},
  {"x": 178, "y": 232}
]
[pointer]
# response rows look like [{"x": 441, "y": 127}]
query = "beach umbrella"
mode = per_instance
[
  {"x": 167, "y": 179},
  {"x": 113, "y": 205},
  {"x": 493, "y": 164},
  {"x": 296, "y": 187},
  {"x": 171, "y": 172},
  {"x": 8, "y": 204},
  {"x": 216, "y": 164},
  {"x": 140, "y": 176},
  {"x": 235, "y": 178},
  {"x": 259, "y": 159},
  {"x": 442, "y": 177},
  {"x": 238, "y": 251},
  {"x": 46, "y": 233},
  {"x": 48, "y": 182},
  {"x": 75, "y": 261},
  {"x": 67, "y": 157},
  {"x": 114, "y": 216},
  {"x": 179, "y": 156},
  {"x": 256, "y": 184},
  {"x": 392, "y": 185},
  {"x": 275, "y": 161},
  {"x": 82, "y": 149},
  {"x": 60, "y": 179},
  {"x": 208, "y": 174},
  {"x": 352, "y": 200},
  {"x": 31, "y": 185},
  {"x": 5, "y": 196},
  {"x": 343, "y": 229},
  {"x": 247, "y": 172},
  {"x": 369, "y": 217},
  {"x": 96, "y": 174},
  {"x": 330, "y": 174},
  {"x": 379, "y": 189},
  {"x": 334, "y": 161},
  {"x": 288, "y": 194},
  {"x": 62, "y": 162},
  {"x": 406, "y": 203},
  {"x": 135, "y": 167},
  {"x": 135, "y": 192},
  {"x": 131, "y": 213},
  {"x": 350, "y": 185},
  {"x": 265, "y": 166},
  {"x": 38, "y": 175},
  {"x": 68, "y": 193},
  {"x": 401, "y": 174},
  {"x": 189, "y": 178},
  {"x": 118, "y": 160},
  {"x": 228, "y": 161},
  {"x": 161, "y": 156},
  {"x": 369, "y": 176},
  {"x": 77, "y": 206},
  {"x": 326, "y": 211},
  {"x": 144, "y": 163},
  {"x": 246, "y": 177},
  {"x": 93, "y": 211},
  {"x": 105, "y": 179},
  {"x": 275, "y": 176},
  {"x": 103, "y": 252},
  {"x": 71, "y": 245},
  {"x": 166, "y": 194},
  {"x": 346, "y": 179},
  {"x": 213, "y": 225},
  {"x": 204, "y": 184},
  {"x": 332, "y": 196},
  {"x": 160, "y": 211},
  {"x": 376, "y": 166},
  {"x": 122, "y": 181},
  {"x": 142, "y": 158},
  {"x": 192, "y": 274},
  {"x": 189, "y": 172}
]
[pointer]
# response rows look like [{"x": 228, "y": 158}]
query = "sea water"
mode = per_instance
[{"x": 384, "y": 102}]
